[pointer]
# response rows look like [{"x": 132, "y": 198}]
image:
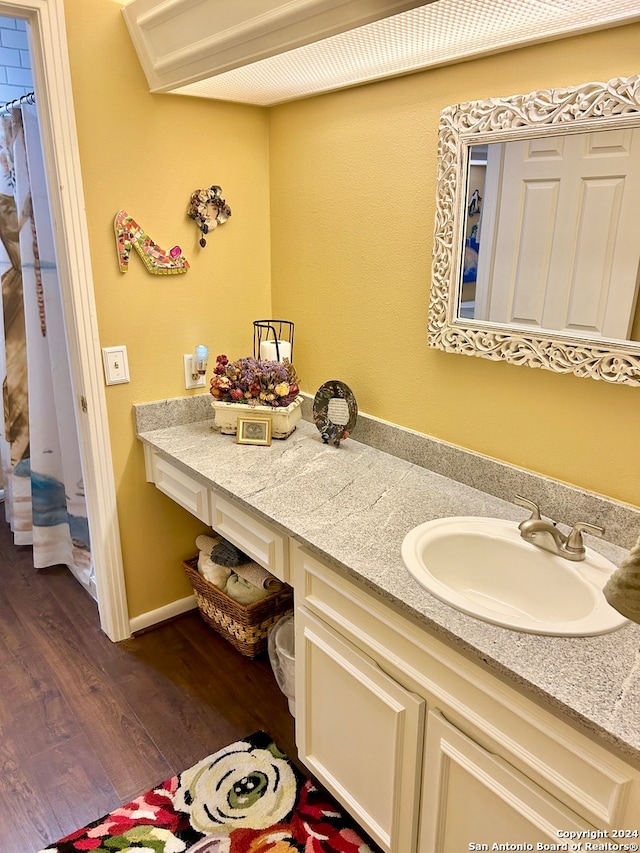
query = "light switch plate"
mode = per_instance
[{"x": 116, "y": 365}]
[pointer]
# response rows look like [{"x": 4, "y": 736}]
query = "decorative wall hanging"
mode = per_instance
[
  {"x": 208, "y": 210},
  {"x": 334, "y": 411},
  {"x": 155, "y": 259}
]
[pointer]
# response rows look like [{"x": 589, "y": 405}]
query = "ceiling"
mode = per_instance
[{"x": 424, "y": 36}]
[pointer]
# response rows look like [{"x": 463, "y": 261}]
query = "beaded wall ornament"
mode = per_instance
[
  {"x": 158, "y": 261},
  {"x": 208, "y": 209}
]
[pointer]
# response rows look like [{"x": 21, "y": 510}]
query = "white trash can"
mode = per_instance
[{"x": 281, "y": 644}]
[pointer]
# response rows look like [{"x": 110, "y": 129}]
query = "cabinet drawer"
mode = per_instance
[
  {"x": 582, "y": 775},
  {"x": 180, "y": 487},
  {"x": 258, "y": 540}
]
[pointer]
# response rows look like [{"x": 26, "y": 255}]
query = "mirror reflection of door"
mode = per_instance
[{"x": 559, "y": 247}]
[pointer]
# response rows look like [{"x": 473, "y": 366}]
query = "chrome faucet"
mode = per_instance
[{"x": 544, "y": 534}]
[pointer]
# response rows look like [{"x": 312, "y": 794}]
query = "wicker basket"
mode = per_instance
[{"x": 245, "y": 626}]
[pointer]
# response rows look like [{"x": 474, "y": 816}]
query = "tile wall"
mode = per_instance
[{"x": 15, "y": 62}]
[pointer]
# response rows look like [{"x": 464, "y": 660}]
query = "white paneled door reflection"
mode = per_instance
[{"x": 558, "y": 233}]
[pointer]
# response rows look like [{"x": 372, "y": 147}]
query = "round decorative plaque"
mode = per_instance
[{"x": 335, "y": 411}]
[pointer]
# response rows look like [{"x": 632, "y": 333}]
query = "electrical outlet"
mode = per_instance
[
  {"x": 116, "y": 365},
  {"x": 189, "y": 381}
]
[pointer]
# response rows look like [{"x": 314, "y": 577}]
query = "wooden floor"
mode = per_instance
[{"x": 87, "y": 724}]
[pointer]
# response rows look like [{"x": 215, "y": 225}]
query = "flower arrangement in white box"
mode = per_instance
[{"x": 262, "y": 387}]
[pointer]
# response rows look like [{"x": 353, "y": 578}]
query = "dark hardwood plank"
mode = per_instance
[
  {"x": 39, "y": 723},
  {"x": 110, "y": 725},
  {"x": 74, "y": 785},
  {"x": 218, "y": 695},
  {"x": 26, "y": 822},
  {"x": 246, "y": 691},
  {"x": 87, "y": 724}
]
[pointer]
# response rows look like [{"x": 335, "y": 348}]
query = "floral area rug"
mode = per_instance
[{"x": 245, "y": 798}]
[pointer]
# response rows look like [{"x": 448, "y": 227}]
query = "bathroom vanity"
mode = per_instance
[{"x": 437, "y": 731}]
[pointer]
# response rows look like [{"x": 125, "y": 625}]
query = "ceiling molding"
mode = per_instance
[
  {"x": 267, "y": 52},
  {"x": 182, "y": 41}
]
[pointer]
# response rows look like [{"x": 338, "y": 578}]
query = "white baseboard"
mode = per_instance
[{"x": 154, "y": 617}]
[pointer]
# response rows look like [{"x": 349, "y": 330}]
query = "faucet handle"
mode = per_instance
[
  {"x": 527, "y": 504},
  {"x": 574, "y": 541}
]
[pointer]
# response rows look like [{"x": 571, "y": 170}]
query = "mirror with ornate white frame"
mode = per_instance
[{"x": 555, "y": 269}]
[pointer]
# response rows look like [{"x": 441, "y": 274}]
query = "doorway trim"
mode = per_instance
[{"x": 54, "y": 99}]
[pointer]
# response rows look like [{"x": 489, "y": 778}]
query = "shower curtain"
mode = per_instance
[{"x": 39, "y": 452}]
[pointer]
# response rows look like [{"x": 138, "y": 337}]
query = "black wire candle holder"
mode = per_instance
[{"x": 273, "y": 340}]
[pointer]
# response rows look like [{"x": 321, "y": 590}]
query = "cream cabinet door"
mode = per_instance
[
  {"x": 473, "y": 800},
  {"x": 359, "y": 732}
]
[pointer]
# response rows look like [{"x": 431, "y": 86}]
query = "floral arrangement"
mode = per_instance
[{"x": 254, "y": 382}]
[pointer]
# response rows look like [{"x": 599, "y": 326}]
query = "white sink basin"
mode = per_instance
[{"x": 483, "y": 567}]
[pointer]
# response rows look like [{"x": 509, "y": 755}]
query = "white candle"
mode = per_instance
[{"x": 268, "y": 350}]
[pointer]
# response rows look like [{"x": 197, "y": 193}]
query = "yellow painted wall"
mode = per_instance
[
  {"x": 353, "y": 185},
  {"x": 348, "y": 180},
  {"x": 147, "y": 153}
]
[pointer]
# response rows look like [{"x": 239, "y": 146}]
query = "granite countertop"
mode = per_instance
[{"x": 353, "y": 505}]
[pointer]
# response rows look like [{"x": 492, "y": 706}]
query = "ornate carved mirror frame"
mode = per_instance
[{"x": 592, "y": 106}]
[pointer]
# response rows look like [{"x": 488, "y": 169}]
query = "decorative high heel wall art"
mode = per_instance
[
  {"x": 208, "y": 209},
  {"x": 156, "y": 260}
]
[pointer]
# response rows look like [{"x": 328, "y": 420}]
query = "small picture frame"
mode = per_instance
[{"x": 253, "y": 430}]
